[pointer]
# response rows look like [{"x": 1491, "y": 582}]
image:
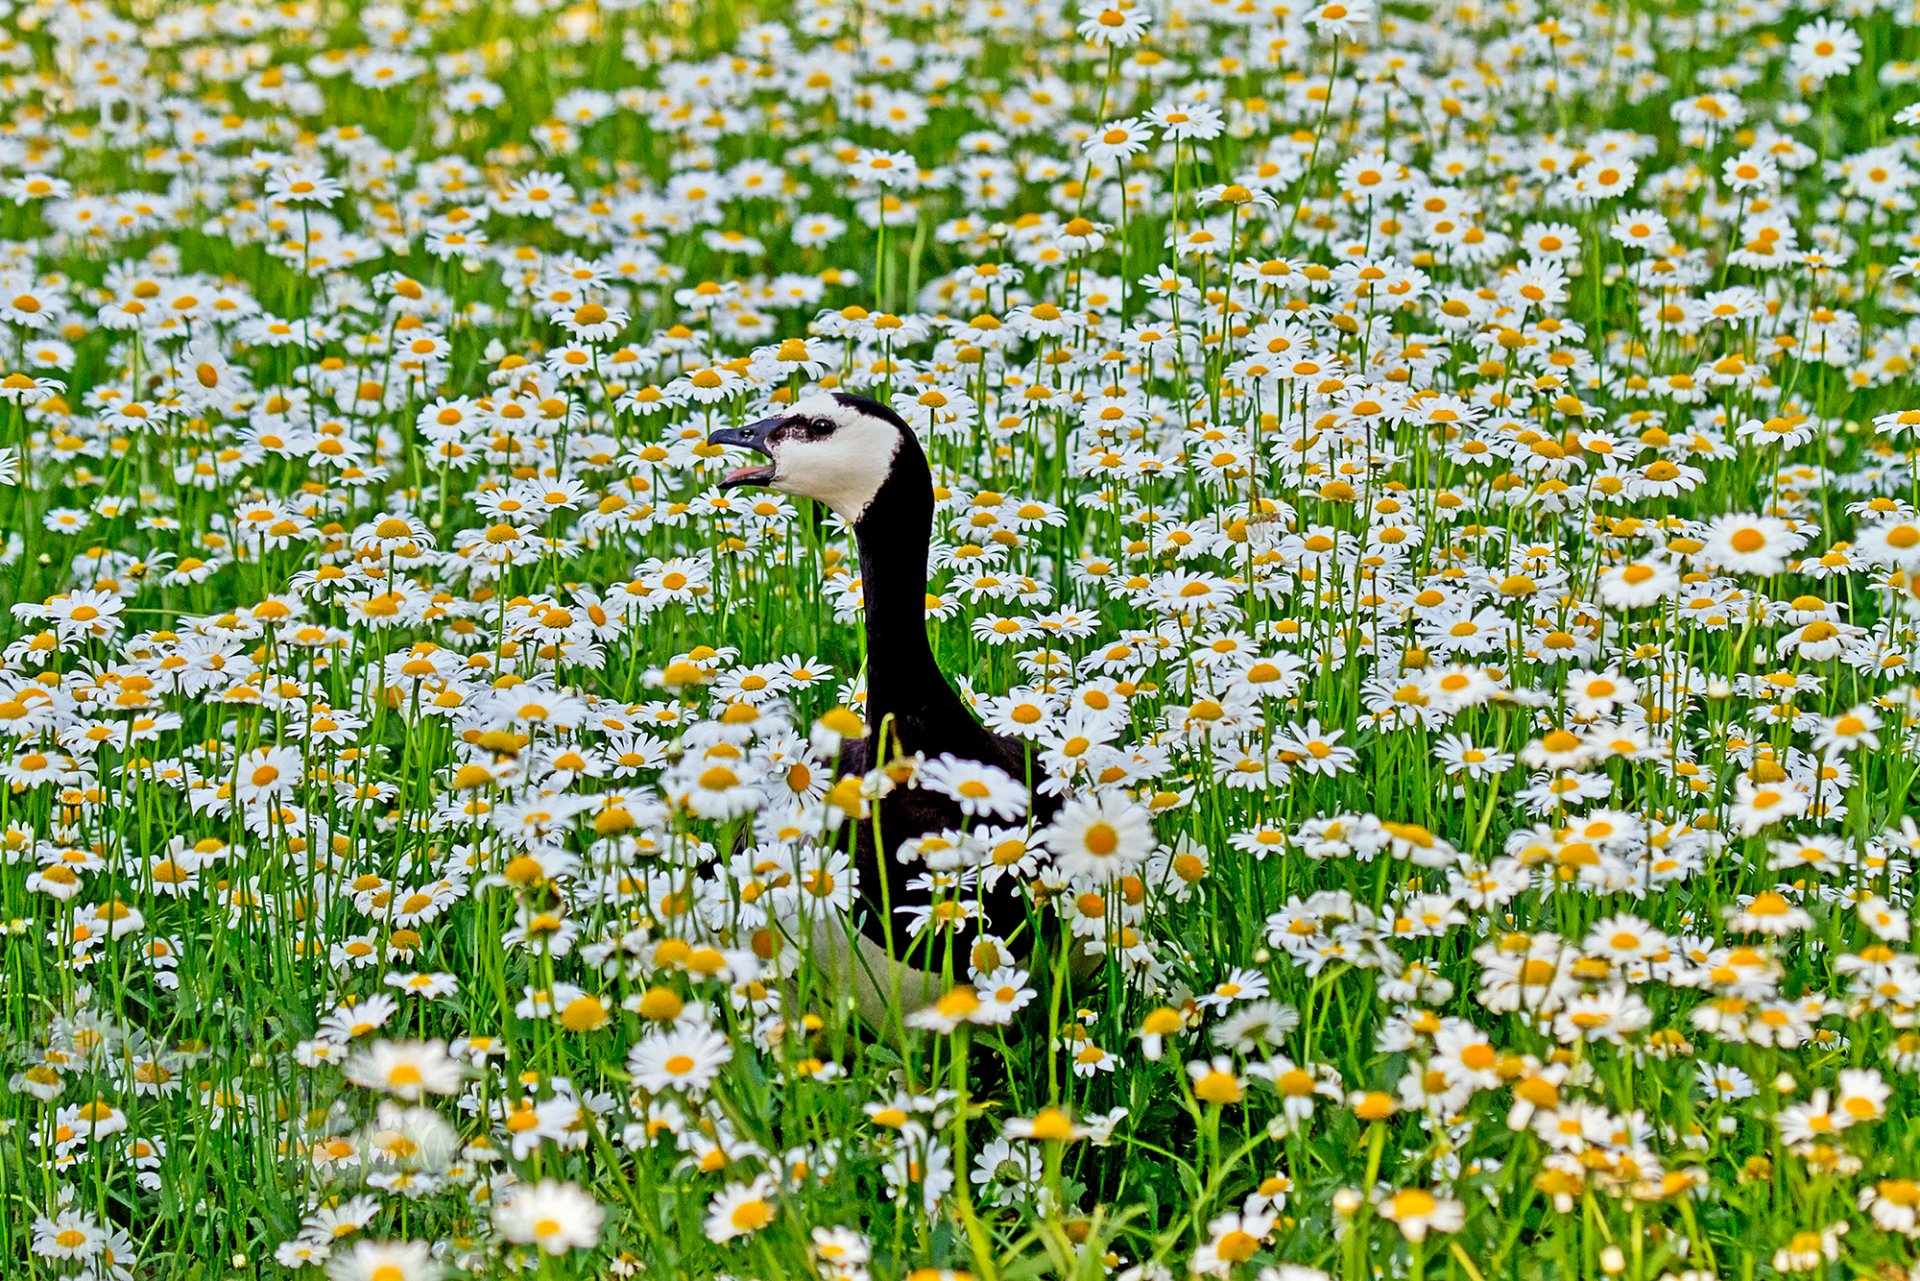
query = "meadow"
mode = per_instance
[{"x": 1431, "y": 482}]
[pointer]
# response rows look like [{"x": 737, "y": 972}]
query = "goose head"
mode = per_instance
[{"x": 834, "y": 447}]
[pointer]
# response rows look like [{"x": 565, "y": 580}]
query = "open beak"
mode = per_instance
[{"x": 752, "y": 436}]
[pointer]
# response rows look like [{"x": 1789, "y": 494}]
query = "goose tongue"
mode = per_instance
[{"x": 748, "y": 476}]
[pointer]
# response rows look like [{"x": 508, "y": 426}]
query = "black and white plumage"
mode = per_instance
[{"x": 857, "y": 457}]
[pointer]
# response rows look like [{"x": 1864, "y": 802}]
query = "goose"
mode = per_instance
[{"x": 861, "y": 460}]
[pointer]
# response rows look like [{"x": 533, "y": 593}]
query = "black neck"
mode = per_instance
[{"x": 903, "y": 681}]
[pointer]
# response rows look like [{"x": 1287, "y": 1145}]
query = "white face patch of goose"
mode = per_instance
[{"x": 834, "y": 454}]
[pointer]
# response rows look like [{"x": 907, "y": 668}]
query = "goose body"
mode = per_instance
[{"x": 858, "y": 457}]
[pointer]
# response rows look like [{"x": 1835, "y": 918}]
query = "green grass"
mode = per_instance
[{"x": 1579, "y": 907}]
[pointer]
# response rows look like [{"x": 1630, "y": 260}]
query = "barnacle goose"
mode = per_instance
[{"x": 864, "y": 463}]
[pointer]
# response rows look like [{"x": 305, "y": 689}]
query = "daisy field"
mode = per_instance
[{"x": 1422, "y": 493}]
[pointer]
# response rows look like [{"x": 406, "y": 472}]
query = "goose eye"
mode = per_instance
[{"x": 806, "y": 429}]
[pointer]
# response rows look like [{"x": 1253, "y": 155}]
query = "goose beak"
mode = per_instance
[{"x": 753, "y": 436}]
